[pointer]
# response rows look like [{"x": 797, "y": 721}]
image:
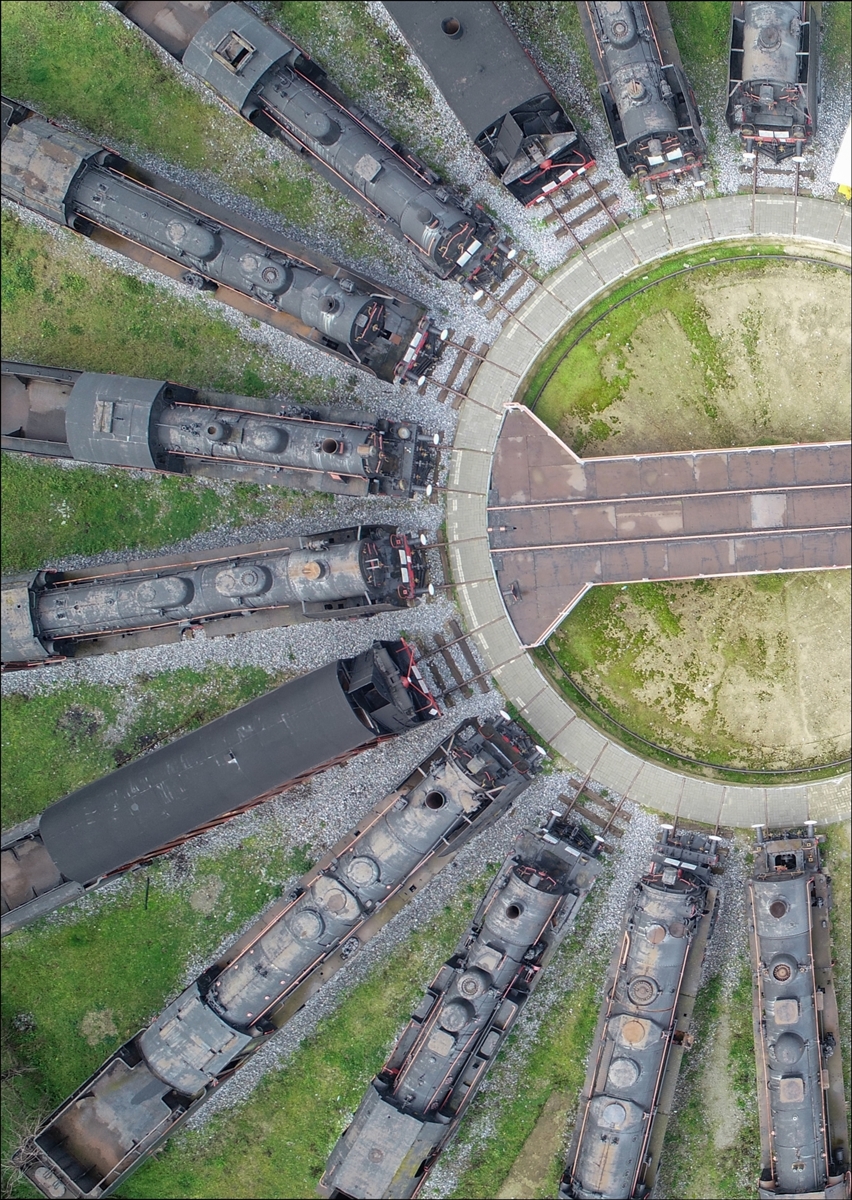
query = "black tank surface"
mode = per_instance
[
  {"x": 157, "y": 425},
  {"x": 151, "y": 1085},
  {"x": 81, "y": 184},
  {"x": 801, "y": 1102},
  {"x": 773, "y": 77},
  {"x": 496, "y": 92},
  {"x": 344, "y": 573},
  {"x": 415, "y": 1104},
  {"x": 224, "y": 767},
  {"x": 268, "y": 80}
]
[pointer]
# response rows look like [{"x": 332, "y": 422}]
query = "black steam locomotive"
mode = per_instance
[
  {"x": 797, "y": 1036},
  {"x": 150, "y": 1086},
  {"x": 644, "y": 1023},
  {"x": 155, "y": 425},
  {"x": 78, "y": 183},
  {"x": 50, "y": 615},
  {"x": 648, "y": 102},
  {"x": 772, "y": 78},
  {"x": 207, "y": 776},
  {"x": 493, "y": 87},
  {"x": 275, "y": 86},
  {"x": 415, "y": 1104}
]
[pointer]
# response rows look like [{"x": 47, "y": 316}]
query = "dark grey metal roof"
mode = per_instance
[
  {"x": 17, "y": 642},
  {"x": 113, "y": 419},
  {"x": 257, "y": 45},
  {"x": 484, "y": 73},
  {"x": 297, "y": 728}
]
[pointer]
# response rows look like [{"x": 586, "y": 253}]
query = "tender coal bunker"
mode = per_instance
[
  {"x": 435, "y": 800},
  {"x": 785, "y": 862},
  {"x": 778, "y": 908}
]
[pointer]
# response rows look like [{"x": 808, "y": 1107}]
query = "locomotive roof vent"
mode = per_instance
[
  {"x": 322, "y": 129},
  {"x": 452, "y": 27},
  {"x": 778, "y": 908},
  {"x": 622, "y": 31},
  {"x": 330, "y": 304},
  {"x": 217, "y": 431},
  {"x": 234, "y": 52},
  {"x": 636, "y": 91}
]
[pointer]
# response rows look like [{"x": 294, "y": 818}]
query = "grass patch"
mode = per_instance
[
  {"x": 694, "y": 1165},
  {"x": 568, "y": 336},
  {"x": 58, "y": 741},
  {"x": 277, "y": 1143},
  {"x": 837, "y": 856},
  {"x": 836, "y": 41},
  {"x": 702, "y": 29},
  {"x": 115, "y": 86}
]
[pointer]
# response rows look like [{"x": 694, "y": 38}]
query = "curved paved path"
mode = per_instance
[{"x": 820, "y": 224}]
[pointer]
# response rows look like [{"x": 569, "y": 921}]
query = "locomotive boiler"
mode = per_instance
[
  {"x": 83, "y": 185},
  {"x": 415, "y": 1104},
  {"x": 797, "y": 1037},
  {"x": 772, "y": 78},
  {"x": 50, "y": 615},
  {"x": 491, "y": 84},
  {"x": 644, "y": 1023},
  {"x": 273, "y": 84},
  {"x": 157, "y": 425},
  {"x": 649, "y": 105},
  {"x": 150, "y": 1086},
  {"x": 208, "y": 776}
]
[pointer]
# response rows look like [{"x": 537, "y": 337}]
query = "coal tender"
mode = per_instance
[
  {"x": 156, "y": 425},
  {"x": 205, "y": 777},
  {"x": 81, "y": 184},
  {"x": 416, "y": 1103},
  {"x": 804, "y": 1145},
  {"x": 493, "y": 87},
  {"x": 361, "y": 571},
  {"x": 271, "y": 82},
  {"x": 643, "y": 1028},
  {"x": 149, "y": 1087},
  {"x": 649, "y": 105},
  {"x": 773, "y": 78}
]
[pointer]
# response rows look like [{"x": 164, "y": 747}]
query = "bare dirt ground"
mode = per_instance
[
  {"x": 780, "y": 366},
  {"x": 758, "y": 675}
]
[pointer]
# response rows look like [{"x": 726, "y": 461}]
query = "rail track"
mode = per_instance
[{"x": 455, "y": 656}]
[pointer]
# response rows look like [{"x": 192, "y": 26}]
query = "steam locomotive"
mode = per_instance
[
  {"x": 415, "y": 1104},
  {"x": 50, "y": 615},
  {"x": 83, "y": 185},
  {"x": 649, "y": 105},
  {"x": 490, "y": 83},
  {"x": 797, "y": 1038},
  {"x": 644, "y": 1022},
  {"x": 205, "y": 777},
  {"x": 150, "y": 1086},
  {"x": 161, "y": 426},
  {"x": 273, "y": 84},
  {"x": 772, "y": 78}
]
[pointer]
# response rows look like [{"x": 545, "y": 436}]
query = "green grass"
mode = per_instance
[
  {"x": 57, "y": 741},
  {"x": 836, "y": 41},
  {"x": 694, "y": 1166},
  {"x": 277, "y": 1143},
  {"x": 113, "y": 84},
  {"x": 702, "y": 29},
  {"x": 837, "y": 860},
  {"x": 550, "y": 360}
]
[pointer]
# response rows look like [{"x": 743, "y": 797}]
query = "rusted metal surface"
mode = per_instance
[{"x": 559, "y": 524}]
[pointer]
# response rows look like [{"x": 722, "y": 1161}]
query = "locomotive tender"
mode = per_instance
[
  {"x": 152, "y": 1084},
  {"x": 649, "y": 105},
  {"x": 498, "y": 95},
  {"x": 83, "y": 185},
  {"x": 772, "y": 78},
  {"x": 797, "y": 1039},
  {"x": 205, "y": 777},
  {"x": 157, "y": 425},
  {"x": 50, "y": 615},
  {"x": 415, "y": 1104},
  {"x": 643, "y": 1027},
  {"x": 268, "y": 80}
]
